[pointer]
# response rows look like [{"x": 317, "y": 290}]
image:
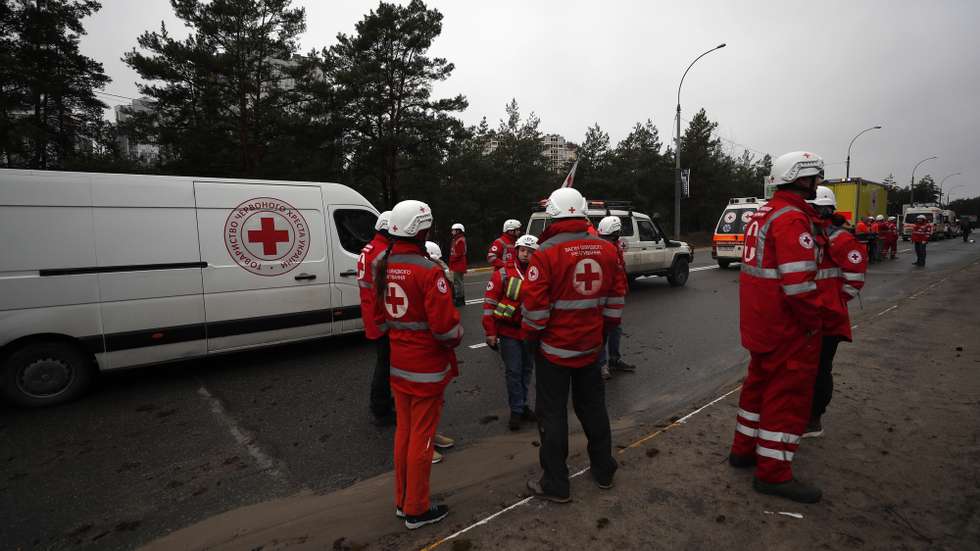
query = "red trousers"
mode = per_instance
[
  {"x": 774, "y": 407},
  {"x": 418, "y": 418},
  {"x": 890, "y": 244}
]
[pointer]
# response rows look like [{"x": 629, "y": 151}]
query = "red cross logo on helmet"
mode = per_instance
[{"x": 571, "y": 210}]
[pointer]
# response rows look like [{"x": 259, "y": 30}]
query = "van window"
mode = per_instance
[
  {"x": 910, "y": 217},
  {"x": 355, "y": 228},
  {"x": 733, "y": 221},
  {"x": 647, "y": 231}
]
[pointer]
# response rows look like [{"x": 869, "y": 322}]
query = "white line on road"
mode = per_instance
[
  {"x": 883, "y": 312},
  {"x": 242, "y": 436},
  {"x": 480, "y": 345}
]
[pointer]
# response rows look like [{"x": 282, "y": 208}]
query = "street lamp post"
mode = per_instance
[
  {"x": 943, "y": 181},
  {"x": 677, "y": 149},
  {"x": 950, "y": 192},
  {"x": 912, "y": 187},
  {"x": 847, "y": 171}
]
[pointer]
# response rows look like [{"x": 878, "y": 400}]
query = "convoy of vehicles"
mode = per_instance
[
  {"x": 729, "y": 237},
  {"x": 646, "y": 248},
  {"x": 106, "y": 271}
]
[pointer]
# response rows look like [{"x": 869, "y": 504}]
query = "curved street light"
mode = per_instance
[
  {"x": 912, "y": 187},
  {"x": 847, "y": 172},
  {"x": 950, "y": 192},
  {"x": 677, "y": 149},
  {"x": 943, "y": 181}
]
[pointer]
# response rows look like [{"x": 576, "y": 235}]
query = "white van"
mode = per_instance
[
  {"x": 933, "y": 214},
  {"x": 105, "y": 271}
]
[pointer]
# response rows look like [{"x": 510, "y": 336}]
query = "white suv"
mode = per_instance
[{"x": 647, "y": 250}]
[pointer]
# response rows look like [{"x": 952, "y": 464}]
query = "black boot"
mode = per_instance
[
  {"x": 741, "y": 461},
  {"x": 792, "y": 489}
]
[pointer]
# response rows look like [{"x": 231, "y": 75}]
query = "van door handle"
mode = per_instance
[
  {"x": 305, "y": 276},
  {"x": 348, "y": 273}
]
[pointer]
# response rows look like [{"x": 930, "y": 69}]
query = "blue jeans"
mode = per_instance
[
  {"x": 611, "y": 341},
  {"x": 518, "y": 365}
]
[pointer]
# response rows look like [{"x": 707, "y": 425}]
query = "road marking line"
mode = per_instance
[
  {"x": 784, "y": 513},
  {"x": 480, "y": 345},
  {"x": 528, "y": 499},
  {"x": 885, "y": 311},
  {"x": 242, "y": 436},
  {"x": 702, "y": 268}
]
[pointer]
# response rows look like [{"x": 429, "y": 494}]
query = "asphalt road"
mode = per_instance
[{"x": 155, "y": 449}]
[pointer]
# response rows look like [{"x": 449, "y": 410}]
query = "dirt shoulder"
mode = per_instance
[{"x": 899, "y": 467}]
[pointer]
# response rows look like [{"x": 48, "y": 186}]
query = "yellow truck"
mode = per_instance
[{"x": 859, "y": 197}]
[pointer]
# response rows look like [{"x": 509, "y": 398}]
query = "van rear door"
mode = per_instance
[
  {"x": 268, "y": 271},
  {"x": 350, "y": 228}
]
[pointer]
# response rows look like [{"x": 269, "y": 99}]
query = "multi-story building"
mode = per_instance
[
  {"x": 559, "y": 153},
  {"x": 142, "y": 152}
]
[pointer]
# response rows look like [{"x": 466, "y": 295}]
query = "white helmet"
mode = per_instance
[
  {"x": 880, "y": 217},
  {"x": 920, "y": 217},
  {"x": 799, "y": 164},
  {"x": 458, "y": 226},
  {"x": 383, "y": 220},
  {"x": 825, "y": 197},
  {"x": 512, "y": 225},
  {"x": 528, "y": 241},
  {"x": 892, "y": 219},
  {"x": 433, "y": 250},
  {"x": 566, "y": 202},
  {"x": 409, "y": 217},
  {"x": 609, "y": 225}
]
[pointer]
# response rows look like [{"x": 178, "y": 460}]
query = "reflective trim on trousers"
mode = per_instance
[
  {"x": 576, "y": 304},
  {"x": 762, "y": 273},
  {"x": 455, "y": 332},
  {"x": 409, "y": 325},
  {"x": 781, "y": 455},
  {"x": 566, "y": 354},
  {"x": 747, "y": 431},
  {"x": 799, "y": 288},
  {"x": 748, "y": 415},
  {"x": 414, "y": 377},
  {"x": 784, "y": 437},
  {"x": 828, "y": 273},
  {"x": 853, "y": 276},
  {"x": 614, "y": 313},
  {"x": 797, "y": 267}
]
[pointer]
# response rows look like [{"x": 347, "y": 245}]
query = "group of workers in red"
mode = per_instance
[{"x": 880, "y": 235}]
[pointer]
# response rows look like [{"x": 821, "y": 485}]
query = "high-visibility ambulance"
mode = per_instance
[
  {"x": 726, "y": 245},
  {"x": 107, "y": 271}
]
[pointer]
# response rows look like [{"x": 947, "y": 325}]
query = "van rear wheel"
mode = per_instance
[{"x": 46, "y": 373}]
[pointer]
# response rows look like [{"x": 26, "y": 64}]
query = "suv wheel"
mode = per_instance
[
  {"x": 46, "y": 373},
  {"x": 677, "y": 276}
]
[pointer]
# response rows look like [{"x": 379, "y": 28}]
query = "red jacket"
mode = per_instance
[
  {"x": 840, "y": 276},
  {"x": 423, "y": 324},
  {"x": 574, "y": 290},
  {"x": 457, "y": 254},
  {"x": 501, "y": 251},
  {"x": 887, "y": 231},
  {"x": 778, "y": 293},
  {"x": 921, "y": 233},
  {"x": 875, "y": 227},
  {"x": 862, "y": 227},
  {"x": 502, "y": 302},
  {"x": 366, "y": 270}
]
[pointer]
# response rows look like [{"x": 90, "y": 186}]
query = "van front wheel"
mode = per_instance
[
  {"x": 677, "y": 276},
  {"x": 46, "y": 373}
]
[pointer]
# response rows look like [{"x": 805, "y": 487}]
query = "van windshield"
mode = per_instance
[
  {"x": 910, "y": 217},
  {"x": 733, "y": 221}
]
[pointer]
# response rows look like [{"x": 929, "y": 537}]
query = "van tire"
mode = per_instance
[
  {"x": 46, "y": 373},
  {"x": 677, "y": 276},
  {"x": 724, "y": 264}
]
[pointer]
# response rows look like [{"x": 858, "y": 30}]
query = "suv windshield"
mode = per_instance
[
  {"x": 910, "y": 217},
  {"x": 733, "y": 220},
  {"x": 537, "y": 225}
]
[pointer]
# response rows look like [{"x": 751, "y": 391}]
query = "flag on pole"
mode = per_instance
[{"x": 570, "y": 179}]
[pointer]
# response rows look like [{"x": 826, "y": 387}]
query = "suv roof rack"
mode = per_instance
[{"x": 593, "y": 204}]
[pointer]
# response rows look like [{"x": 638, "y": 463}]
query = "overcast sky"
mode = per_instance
[{"x": 795, "y": 75}]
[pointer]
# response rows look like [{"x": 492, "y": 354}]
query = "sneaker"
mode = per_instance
[
  {"x": 432, "y": 516},
  {"x": 814, "y": 429},
  {"x": 538, "y": 491},
  {"x": 515, "y": 421},
  {"x": 792, "y": 489},
  {"x": 528, "y": 415},
  {"x": 741, "y": 461},
  {"x": 443, "y": 442},
  {"x": 399, "y": 513},
  {"x": 436, "y": 457},
  {"x": 606, "y": 375},
  {"x": 620, "y": 365}
]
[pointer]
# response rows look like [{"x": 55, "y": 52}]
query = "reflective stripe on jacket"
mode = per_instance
[
  {"x": 574, "y": 289},
  {"x": 777, "y": 289},
  {"x": 502, "y": 303}
]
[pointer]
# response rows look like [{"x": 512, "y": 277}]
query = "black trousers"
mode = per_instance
[
  {"x": 589, "y": 403},
  {"x": 920, "y": 253},
  {"x": 382, "y": 403},
  {"x": 823, "y": 388}
]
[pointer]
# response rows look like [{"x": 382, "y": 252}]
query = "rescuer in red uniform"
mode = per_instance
[
  {"x": 501, "y": 251},
  {"x": 891, "y": 245},
  {"x": 574, "y": 290},
  {"x": 381, "y": 402},
  {"x": 781, "y": 317},
  {"x": 842, "y": 263},
  {"x": 610, "y": 229},
  {"x": 457, "y": 263},
  {"x": 502, "y": 324},
  {"x": 921, "y": 233},
  {"x": 415, "y": 301}
]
